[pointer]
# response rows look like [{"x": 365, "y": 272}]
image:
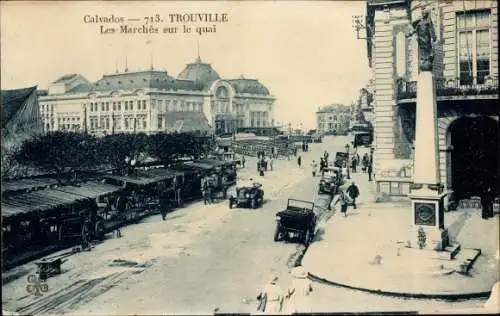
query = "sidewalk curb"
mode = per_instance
[{"x": 484, "y": 294}]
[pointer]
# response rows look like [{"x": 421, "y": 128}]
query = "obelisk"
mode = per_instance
[{"x": 426, "y": 195}]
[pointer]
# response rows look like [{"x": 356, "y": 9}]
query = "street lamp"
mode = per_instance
[{"x": 347, "y": 162}]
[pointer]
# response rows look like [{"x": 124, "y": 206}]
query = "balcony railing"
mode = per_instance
[{"x": 449, "y": 87}]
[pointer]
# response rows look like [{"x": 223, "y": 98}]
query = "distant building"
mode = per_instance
[
  {"x": 466, "y": 81},
  {"x": 333, "y": 119},
  {"x": 20, "y": 116},
  {"x": 152, "y": 101}
]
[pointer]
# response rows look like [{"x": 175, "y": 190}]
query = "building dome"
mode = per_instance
[
  {"x": 250, "y": 86},
  {"x": 199, "y": 72}
]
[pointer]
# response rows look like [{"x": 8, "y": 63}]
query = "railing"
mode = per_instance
[{"x": 446, "y": 87}]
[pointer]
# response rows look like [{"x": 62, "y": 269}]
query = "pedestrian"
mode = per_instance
[
  {"x": 271, "y": 163},
  {"x": 314, "y": 167},
  {"x": 326, "y": 155},
  {"x": 353, "y": 193},
  {"x": 487, "y": 203},
  {"x": 353, "y": 164},
  {"x": 243, "y": 161},
  {"x": 299, "y": 161},
  {"x": 271, "y": 297},
  {"x": 343, "y": 200},
  {"x": 369, "y": 170},
  {"x": 365, "y": 161},
  {"x": 266, "y": 162},
  {"x": 298, "y": 293},
  {"x": 205, "y": 190},
  {"x": 118, "y": 232}
]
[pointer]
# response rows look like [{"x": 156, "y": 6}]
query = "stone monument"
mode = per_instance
[{"x": 427, "y": 198}]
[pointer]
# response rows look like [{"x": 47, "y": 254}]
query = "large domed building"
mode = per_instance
[{"x": 153, "y": 101}]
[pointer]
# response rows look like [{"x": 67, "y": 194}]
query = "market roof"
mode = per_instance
[
  {"x": 154, "y": 79},
  {"x": 250, "y": 86},
  {"x": 12, "y": 101},
  {"x": 199, "y": 72},
  {"x": 92, "y": 189},
  {"x": 37, "y": 201},
  {"x": 27, "y": 184}
]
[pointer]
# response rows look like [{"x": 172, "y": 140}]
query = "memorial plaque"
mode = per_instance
[{"x": 425, "y": 214}]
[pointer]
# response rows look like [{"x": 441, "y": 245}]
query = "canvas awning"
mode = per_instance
[
  {"x": 37, "y": 201},
  {"x": 26, "y": 184},
  {"x": 90, "y": 189}
]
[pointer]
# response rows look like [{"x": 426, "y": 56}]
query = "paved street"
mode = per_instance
[{"x": 202, "y": 259}]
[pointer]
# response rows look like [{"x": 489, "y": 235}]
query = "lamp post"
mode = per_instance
[{"x": 347, "y": 162}]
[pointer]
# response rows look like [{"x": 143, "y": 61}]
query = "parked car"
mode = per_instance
[
  {"x": 297, "y": 221},
  {"x": 330, "y": 181},
  {"x": 248, "y": 196}
]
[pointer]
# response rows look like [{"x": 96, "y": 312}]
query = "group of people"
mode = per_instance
[
  {"x": 209, "y": 184},
  {"x": 365, "y": 162},
  {"x": 272, "y": 299},
  {"x": 348, "y": 198},
  {"x": 264, "y": 163}
]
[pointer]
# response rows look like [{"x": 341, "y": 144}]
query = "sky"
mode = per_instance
[{"x": 305, "y": 53}]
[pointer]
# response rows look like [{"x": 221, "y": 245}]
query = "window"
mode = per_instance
[
  {"x": 126, "y": 105},
  {"x": 473, "y": 29},
  {"x": 126, "y": 123},
  {"x": 119, "y": 106},
  {"x": 144, "y": 123},
  {"x": 160, "y": 122},
  {"x": 102, "y": 106},
  {"x": 131, "y": 105},
  {"x": 143, "y": 104},
  {"x": 107, "y": 106},
  {"x": 114, "y": 106},
  {"x": 400, "y": 54}
]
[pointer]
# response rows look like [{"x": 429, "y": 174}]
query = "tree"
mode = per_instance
[
  {"x": 63, "y": 153},
  {"x": 123, "y": 151},
  {"x": 170, "y": 147}
]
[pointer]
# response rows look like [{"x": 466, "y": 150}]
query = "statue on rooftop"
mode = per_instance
[{"x": 426, "y": 37}]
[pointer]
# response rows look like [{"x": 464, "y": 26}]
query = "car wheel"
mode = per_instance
[
  {"x": 99, "y": 230},
  {"x": 277, "y": 233}
]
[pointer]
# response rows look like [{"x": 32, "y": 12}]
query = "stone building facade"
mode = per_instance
[
  {"x": 466, "y": 79},
  {"x": 152, "y": 101},
  {"x": 333, "y": 119}
]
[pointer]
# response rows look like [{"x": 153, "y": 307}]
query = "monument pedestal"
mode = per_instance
[{"x": 428, "y": 212}]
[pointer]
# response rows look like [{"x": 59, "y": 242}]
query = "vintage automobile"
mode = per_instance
[
  {"x": 331, "y": 180},
  {"x": 297, "y": 221},
  {"x": 246, "y": 196}
]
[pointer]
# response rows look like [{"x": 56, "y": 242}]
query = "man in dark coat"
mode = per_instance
[
  {"x": 353, "y": 193},
  {"x": 487, "y": 203}
]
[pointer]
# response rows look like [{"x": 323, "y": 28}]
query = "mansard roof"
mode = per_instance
[
  {"x": 153, "y": 79},
  {"x": 250, "y": 86}
]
